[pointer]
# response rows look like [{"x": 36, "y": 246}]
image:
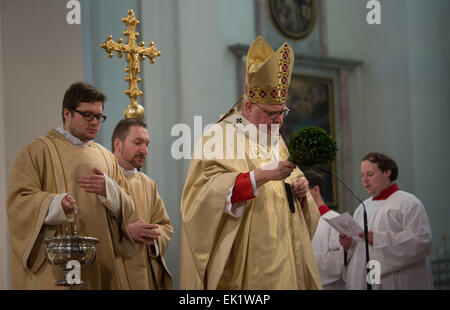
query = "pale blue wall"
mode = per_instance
[
  {"x": 429, "y": 60},
  {"x": 162, "y": 110},
  {"x": 99, "y": 19},
  {"x": 381, "y": 99},
  {"x": 236, "y": 27}
]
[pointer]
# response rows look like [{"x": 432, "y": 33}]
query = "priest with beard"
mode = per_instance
[{"x": 150, "y": 227}]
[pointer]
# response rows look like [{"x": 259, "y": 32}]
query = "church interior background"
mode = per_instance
[{"x": 385, "y": 87}]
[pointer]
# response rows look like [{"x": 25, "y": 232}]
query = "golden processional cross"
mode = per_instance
[{"x": 133, "y": 53}]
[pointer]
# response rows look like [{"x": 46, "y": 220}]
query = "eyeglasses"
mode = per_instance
[
  {"x": 89, "y": 116},
  {"x": 274, "y": 115}
]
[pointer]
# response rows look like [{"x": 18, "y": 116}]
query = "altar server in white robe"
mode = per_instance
[
  {"x": 327, "y": 250},
  {"x": 399, "y": 232}
]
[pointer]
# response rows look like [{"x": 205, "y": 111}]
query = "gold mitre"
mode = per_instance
[{"x": 268, "y": 73}]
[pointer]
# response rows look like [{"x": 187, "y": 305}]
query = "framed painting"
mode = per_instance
[
  {"x": 311, "y": 103},
  {"x": 294, "y": 19}
]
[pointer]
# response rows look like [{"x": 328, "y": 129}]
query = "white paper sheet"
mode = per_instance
[{"x": 345, "y": 224}]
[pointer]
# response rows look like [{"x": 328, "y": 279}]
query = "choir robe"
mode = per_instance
[
  {"x": 147, "y": 269},
  {"x": 401, "y": 244},
  {"x": 268, "y": 246},
  {"x": 48, "y": 166},
  {"x": 328, "y": 252}
]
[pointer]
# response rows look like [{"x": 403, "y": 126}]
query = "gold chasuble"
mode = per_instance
[
  {"x": 147, "y": 269},
  {"x": 48, "y": 166},
  {"x": 268, "y": 246}
]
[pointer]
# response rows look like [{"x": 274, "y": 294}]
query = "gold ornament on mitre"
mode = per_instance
[
  {"x": 268, "y": 73},
  {"x": 133, "y": 53}
]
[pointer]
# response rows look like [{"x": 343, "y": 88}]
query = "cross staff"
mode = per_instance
[{"x": 133, "y": 53}]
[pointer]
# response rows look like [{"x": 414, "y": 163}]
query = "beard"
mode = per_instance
[{"x": 136, "y": 161}]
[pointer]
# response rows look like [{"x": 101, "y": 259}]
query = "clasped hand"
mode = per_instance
[
  {"x": 300, "y": 187},
  {"x": 144, "y": 232},
  {"x": 346, "y": 241}
]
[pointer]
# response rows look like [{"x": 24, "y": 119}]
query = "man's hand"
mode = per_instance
[
  {"x": 369, "y": 236},
  {"x": 273, "y": 172},
  {"x": 94, "y": 183},
  {"x": 144, "y": 232},
  {"x": 68, "y": 204},
  {"x": 282, "y": 170},
  {"x": 300, "y": 187},
  {"x": 345, "y": 241}
]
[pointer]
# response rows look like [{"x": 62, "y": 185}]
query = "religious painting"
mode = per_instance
[
  {"x": 310, "y": 100},
  {"x": 294, "y": 19}
]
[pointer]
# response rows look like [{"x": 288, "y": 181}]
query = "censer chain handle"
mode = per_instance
[{"x": 72, "y": 221}]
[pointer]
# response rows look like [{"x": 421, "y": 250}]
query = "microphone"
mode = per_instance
[{"x": 312, "y": 147}]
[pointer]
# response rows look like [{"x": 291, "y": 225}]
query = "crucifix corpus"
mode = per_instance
[{"x": 133, "y": 53}]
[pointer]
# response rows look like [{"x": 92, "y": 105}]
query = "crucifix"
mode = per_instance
[{"x": 133, "y": 53}]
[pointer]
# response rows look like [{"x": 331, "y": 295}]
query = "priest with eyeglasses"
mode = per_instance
[{"x": 54, "y": 174}]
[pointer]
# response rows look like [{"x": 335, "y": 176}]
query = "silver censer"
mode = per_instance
[{"x": 70, "y": 251}]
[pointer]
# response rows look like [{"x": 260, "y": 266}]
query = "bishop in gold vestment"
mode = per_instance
[{"x": 258, "y": 242}]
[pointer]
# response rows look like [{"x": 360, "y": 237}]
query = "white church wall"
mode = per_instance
[
  {"x": 382, "y": 100},
  {"x": 42, "y": 57},
  {"x": 399, "y": 100},
  {"x": 429, "y": 60}
]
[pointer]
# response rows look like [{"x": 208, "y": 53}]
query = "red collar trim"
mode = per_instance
[
  {"x": 385, "y": 193},
  {"x": 323, "y": 209}
]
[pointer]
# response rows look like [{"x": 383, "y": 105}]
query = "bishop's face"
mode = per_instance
[
  {"x": 266, "y": 114},
  {"x": 373, "y": 179},
  {"x": 77, "y": 123},
  {"x": 132, "y": 152}
]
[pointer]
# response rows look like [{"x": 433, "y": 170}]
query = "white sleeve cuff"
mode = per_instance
[
  {"x": 253, "y": 180},
  {"x": 153, "y": 250},
  {"x": 55, "y": 214},
  {"x": 235, "y": 210},
  {"x": 113, "y": 199}
]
